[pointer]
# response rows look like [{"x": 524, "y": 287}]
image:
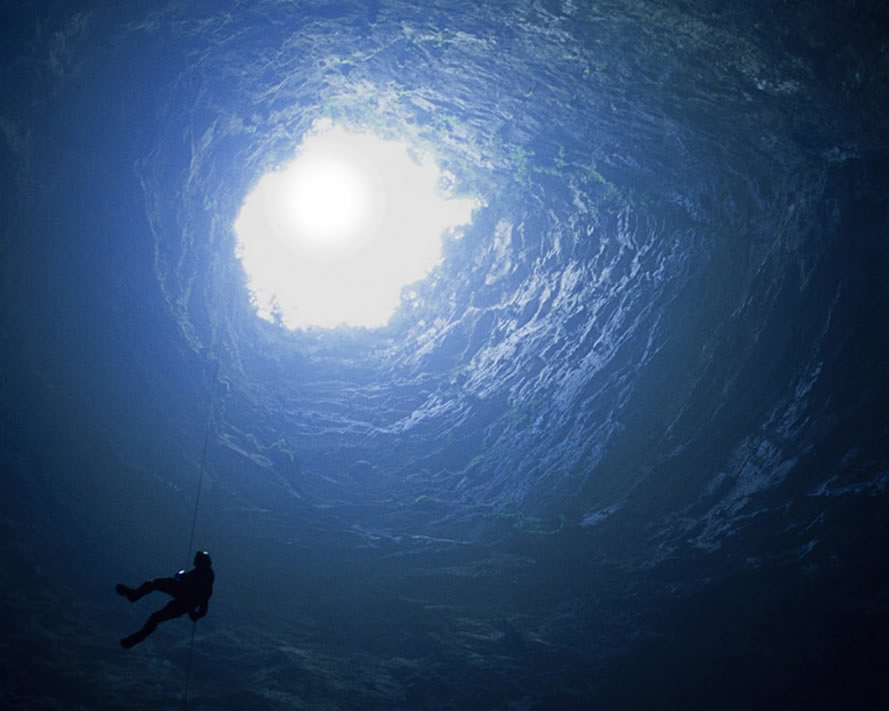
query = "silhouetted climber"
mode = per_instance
[{"x": 191, "y": 591}]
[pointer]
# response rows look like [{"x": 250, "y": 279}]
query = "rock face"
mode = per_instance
[{"x": 626, "y": 447}]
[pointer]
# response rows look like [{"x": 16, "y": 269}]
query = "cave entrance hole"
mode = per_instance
[{"x": 332, "y": 237}]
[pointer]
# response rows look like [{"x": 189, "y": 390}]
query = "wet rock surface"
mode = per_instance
[{"x": 626, "y": 446}]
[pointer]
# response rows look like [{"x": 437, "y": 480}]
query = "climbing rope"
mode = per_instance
[
  {"x": 194, "y": 626},
  {"x": 194, "y": 522}
]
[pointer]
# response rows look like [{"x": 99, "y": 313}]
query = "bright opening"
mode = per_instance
[{"x": 332, "y": 238}]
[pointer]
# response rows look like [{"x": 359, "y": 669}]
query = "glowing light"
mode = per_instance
[{"x": 332, "y": 237}]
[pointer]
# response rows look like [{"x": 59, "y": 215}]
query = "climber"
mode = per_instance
[{"x": 190, "y": 590}]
